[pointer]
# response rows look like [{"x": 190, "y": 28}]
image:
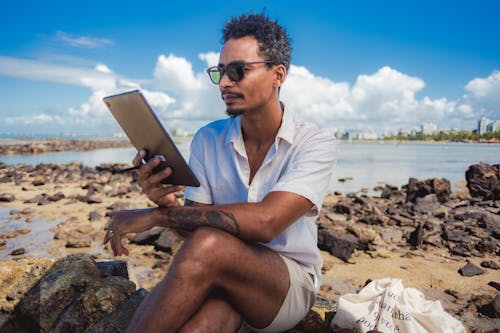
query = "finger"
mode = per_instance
[
  {"x": 155, "y": 180},
  {"x": 146, "y": 170},
  {"x": 137, "y": 161}
]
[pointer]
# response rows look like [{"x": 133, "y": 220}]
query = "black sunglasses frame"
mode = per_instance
[{"x": 235, "y": 70}]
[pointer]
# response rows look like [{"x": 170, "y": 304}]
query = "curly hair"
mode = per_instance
[{"x": 274, "y": 43}]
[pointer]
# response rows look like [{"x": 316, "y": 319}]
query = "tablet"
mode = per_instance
[{"x": 145, "y": 131}]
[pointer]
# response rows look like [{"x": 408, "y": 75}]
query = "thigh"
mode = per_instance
[{"x": 254, "y": 277}]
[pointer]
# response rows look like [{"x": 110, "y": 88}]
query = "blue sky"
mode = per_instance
[{"x": 369, "y": 65}]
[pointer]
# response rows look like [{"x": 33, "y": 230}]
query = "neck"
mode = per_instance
[{"x": 261, "y": 127}]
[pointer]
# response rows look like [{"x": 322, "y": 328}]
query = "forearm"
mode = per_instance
[{"x": 190, "y": 218}]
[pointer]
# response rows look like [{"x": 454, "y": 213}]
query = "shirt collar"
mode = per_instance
[{"x": 285, "y": 132}]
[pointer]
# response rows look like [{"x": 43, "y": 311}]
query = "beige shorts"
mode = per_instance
[{"x": 298, "y": 301}]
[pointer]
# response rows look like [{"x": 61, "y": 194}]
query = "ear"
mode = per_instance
[{"x": 280, "y": 75}]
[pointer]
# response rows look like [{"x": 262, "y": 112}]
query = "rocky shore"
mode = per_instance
[
  {"x": 56, "y": 276},
  {"x": 27, "y": 146}
]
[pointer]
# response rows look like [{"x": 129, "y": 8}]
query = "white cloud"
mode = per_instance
[
  {"x": 185, "y": 98},
  {"x": 484, "y": 95},
  {"x": 82, "y": 41}
]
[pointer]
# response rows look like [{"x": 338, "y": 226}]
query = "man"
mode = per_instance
[{"x": 251, "y": 261}]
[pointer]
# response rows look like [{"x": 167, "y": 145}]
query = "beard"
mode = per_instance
[{"x": 234, "y": 112}]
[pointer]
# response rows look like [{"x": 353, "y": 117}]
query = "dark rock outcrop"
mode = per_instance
[
  {"x": 72, "y": 296},
  {"x": 483, "y": 181}
]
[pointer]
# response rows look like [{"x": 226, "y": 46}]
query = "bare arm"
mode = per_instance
[{"x": 254, "y": 222}]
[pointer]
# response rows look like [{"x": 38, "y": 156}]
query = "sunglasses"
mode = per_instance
[{"x": 235, "y": 70}]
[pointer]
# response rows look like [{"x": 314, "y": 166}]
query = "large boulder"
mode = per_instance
[
  {"x": 421, "y": 188},
  {"x": 483, "y": 181},
  {"x": 71, "y": 296}
]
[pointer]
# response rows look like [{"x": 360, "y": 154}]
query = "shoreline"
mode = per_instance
[{"x": 75, "y": 203}]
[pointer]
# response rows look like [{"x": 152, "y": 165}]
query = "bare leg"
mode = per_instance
[
  {"x": 215, "y": 315},
  {"x": 254, "y": 278}
]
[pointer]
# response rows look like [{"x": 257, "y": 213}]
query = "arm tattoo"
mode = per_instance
[{"x": 191, "y": 218}]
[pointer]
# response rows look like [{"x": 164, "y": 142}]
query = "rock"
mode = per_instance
[
  {"x": 427, "y": 204},
  {"x": 18, "y": 252},
  {"x": 113, "y": 268},
  {"x": 78, "y": 243},
  {"x": 147, "y": 237},
  {"x": 491, "y": 222},
  {"x": 419, "y": 189},
  {"x": 494, "y": 284},
  {"x": 42, "y": 305},
  {"x": 470, "y": 270},
  {"x": 168, "y": 241},
  {"x": 340, "y": 245},
  {"x": 38, "y": 181},
  {"x": 117, "y": 321},
  {"x": 417, "y": 236},
  {"x": 7, "y": 197},
  {"x": 490, "y": 264},
  {"x": 100, "y": 297},
  {"x": 94, "y": 216},
  {"x": 342, "y": 208},
  {"x": 491, "y": 309},
  {"x": 337, "y": 218},
  {"x": 56, "y": 197},
  {"x": 90, "y": 199},
  {"x": 483, "y": 181},
  {"x": 14, "y": 233}
]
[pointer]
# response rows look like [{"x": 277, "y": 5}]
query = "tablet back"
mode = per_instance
[{"x": 145, "y": 131}]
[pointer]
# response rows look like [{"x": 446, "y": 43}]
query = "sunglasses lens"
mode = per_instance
[
  {"x": 215, "y": 74},
  {"x": 235, "y": 71}
]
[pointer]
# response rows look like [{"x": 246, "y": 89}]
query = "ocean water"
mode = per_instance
[{"x": 365, "y": 165}]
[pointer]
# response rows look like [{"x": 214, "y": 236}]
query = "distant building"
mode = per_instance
[
  {"x": 494, "y": 126},
  {"x": 429, "y": 128},
  {"x": 482, "y": 125}
]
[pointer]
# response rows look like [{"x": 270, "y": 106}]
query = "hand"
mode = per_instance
[
  {"x": 124, "y": 222},
  {"x": 161, "y": 194}
]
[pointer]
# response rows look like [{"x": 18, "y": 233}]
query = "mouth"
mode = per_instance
[{"x": 230, "y": 97}]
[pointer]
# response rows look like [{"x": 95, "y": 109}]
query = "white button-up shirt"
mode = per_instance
[{"x": 300, "y": 161}]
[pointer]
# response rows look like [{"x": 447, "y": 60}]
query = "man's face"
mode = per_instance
[{"x": 256, "y": 87}]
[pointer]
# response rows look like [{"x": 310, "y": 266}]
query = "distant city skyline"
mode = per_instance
[{"x": 365, "y": 66}]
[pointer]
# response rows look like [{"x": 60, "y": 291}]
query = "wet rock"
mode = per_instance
[
  {"x": 338, "y": 244},
  {"x": 7, "y": 197},
  {"x": 483, "y": 181},
  {"x": 14, "y": 233},
  {"x": 470, "y": 270},
  {"x": 18, "y": 252}
]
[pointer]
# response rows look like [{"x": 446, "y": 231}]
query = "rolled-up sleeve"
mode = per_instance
[
  {"x": 310, "y": 169},
  {"x": 201, "y": 194}
]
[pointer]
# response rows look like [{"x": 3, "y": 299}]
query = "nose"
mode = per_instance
[{"x": 225, "y": 81}]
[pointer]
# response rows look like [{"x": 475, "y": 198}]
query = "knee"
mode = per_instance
[{"x": 209, "y": 246}]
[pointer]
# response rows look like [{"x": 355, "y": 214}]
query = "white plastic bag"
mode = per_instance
[{"x": 387, "y": 306}]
